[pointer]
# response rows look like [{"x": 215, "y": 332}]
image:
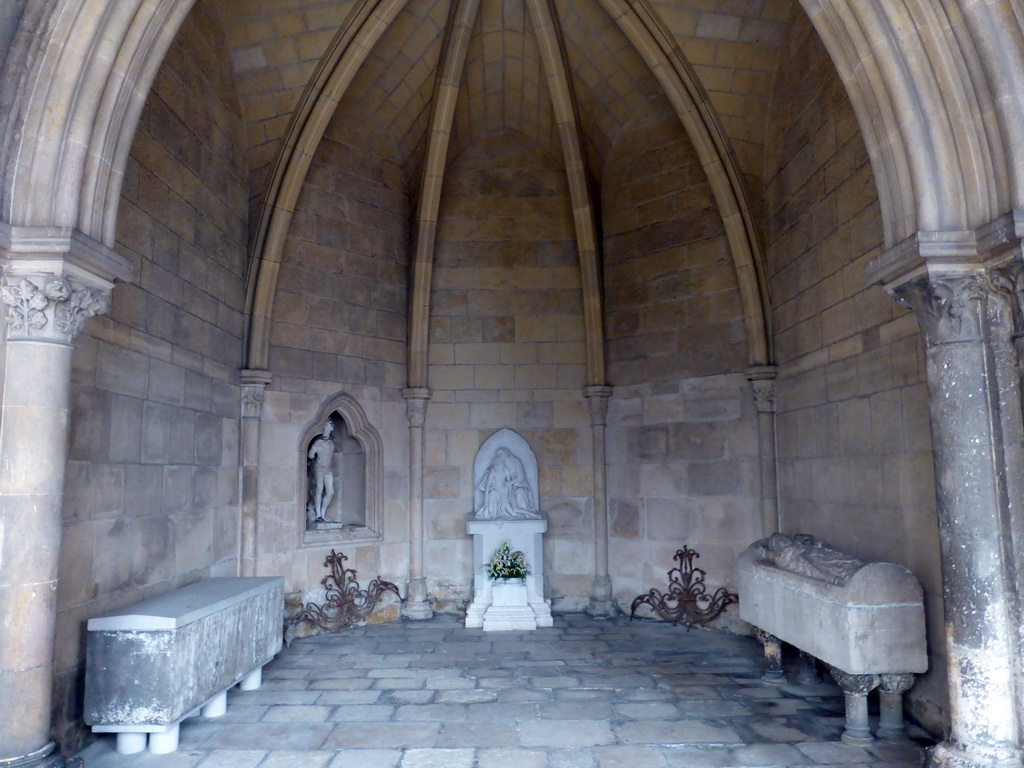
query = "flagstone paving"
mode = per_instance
[{"x": 582, "y": 694}]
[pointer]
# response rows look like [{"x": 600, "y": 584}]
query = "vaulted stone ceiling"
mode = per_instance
[
  {"x": 276, "y": 48},
  {"x": 434, "y": 77}
]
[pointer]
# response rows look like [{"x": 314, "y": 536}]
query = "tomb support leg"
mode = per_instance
[
  {"x": 164, "y": 743},
  {"x": 808, "y": 670},
  {"x": 773, "y": 674},
  {"x": 216, "y": 706},
  {"x": 252, "y": 681},
  {"x": 891, "y": 729},
  {"x": 856, "y": 689},
  {"x": 131, "y": 743}
]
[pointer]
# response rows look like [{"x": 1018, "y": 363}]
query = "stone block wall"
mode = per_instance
[
  {"x": 339, "y": 326},
  {"x": 151, "y": 496},
  {"x": 682, "y": 431},
  {"x": 506, "y": 350},
  {"x": 854, "y": 446}
]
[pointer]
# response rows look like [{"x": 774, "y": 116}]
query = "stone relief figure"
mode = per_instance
[
  {"x": 506, "y": 493},
  {"x": 320, "y": 455},
  {"x": 804, "y": 555}
]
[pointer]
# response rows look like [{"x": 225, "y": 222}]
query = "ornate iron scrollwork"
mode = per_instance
[
  {"x": 346, "y": 604},
  {"x": 687, "y": 600}
]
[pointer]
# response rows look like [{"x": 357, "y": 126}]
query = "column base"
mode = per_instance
[
  {"x": 42, "y": 758},
  {"x": 602, "y": 606},
  {"x": 948, "y": 754},
  {"x": 416, "y": 607},
  {"x": 602, "y": 609}
]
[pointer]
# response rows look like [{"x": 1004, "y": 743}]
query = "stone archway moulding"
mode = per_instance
[
  {"x": 366, "y": 24},
  {"x": 936, "y": 88},
  {"x": 445, "y": 97},
  {"x": 79, "y": 98},
  {"x": 338, "y": 66}
]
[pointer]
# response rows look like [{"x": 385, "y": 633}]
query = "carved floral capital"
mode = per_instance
[
  {"x": 896, "y": 683},
  {"x": 764, "y": 395},
  {"x": 858, "y": 685},
  {"x": 252, "y": 401},
  {"x": 597, "y": 399},
  {"x": 416, "y": 399},
  {"x": 48, "y": 308},
  {"x": 948, "y": 308}
]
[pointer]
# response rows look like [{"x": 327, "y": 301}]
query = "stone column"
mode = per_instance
[
  {"x": 891, "y": 729},
  {"x": 416, "y": 606},
  {"x": 963, "y": 316},
  {"x": 53, "y": 282},
  {"x": 773, "y": 674},
  {"x": 855, "y": 690},
  {"x": 762, "y": 378},
  {"x": 601, "y": 603},
  {"x": 253, "y": 382}
]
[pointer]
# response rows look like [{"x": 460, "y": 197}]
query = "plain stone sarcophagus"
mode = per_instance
[
  {"x": 156, "y": 662},
  {"x": 865, "y": 620}
]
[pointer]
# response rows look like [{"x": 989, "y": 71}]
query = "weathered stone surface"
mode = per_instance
[
  {"x": 871, "y": 624},
  {"x": 154, "y": 662}
]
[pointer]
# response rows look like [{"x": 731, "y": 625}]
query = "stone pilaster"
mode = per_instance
[
  {"x": 254, "y": 383},
  {"x": 54, "y": 280},
  {"x": 601, "y": 603},
  {"x": 953, "y": 284},
  {"x": 416, "y": 606},
  {"x": 762, "y": 379}
]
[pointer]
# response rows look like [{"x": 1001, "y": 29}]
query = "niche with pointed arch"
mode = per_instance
[{"x": 341, "y": 461}]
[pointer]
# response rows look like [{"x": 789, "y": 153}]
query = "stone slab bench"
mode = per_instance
[
  {"x": 865, "y": 620},
  {"x": 153, "y": 664}
]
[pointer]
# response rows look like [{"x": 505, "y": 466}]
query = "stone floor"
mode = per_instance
[{"x": 583, "y": 694}]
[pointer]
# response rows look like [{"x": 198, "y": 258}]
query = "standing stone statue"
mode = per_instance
[
  {"x": 320, "y": 455},
  {"x": 506, "y": 493}
]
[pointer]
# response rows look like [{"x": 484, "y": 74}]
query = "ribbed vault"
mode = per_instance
[{"x": 440, "y": 77}]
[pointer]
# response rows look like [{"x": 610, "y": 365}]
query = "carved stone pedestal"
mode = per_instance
[
  {"x": 510, "y": 607},
  {"x": 522, "y": 535}
]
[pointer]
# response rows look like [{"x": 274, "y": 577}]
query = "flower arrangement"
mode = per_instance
[{"x": 506, "y": 564}]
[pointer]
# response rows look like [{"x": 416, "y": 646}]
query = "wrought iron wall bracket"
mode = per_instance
[
  {"x": 687, "y": 600},
  {"x": 346, "y": 604}
]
